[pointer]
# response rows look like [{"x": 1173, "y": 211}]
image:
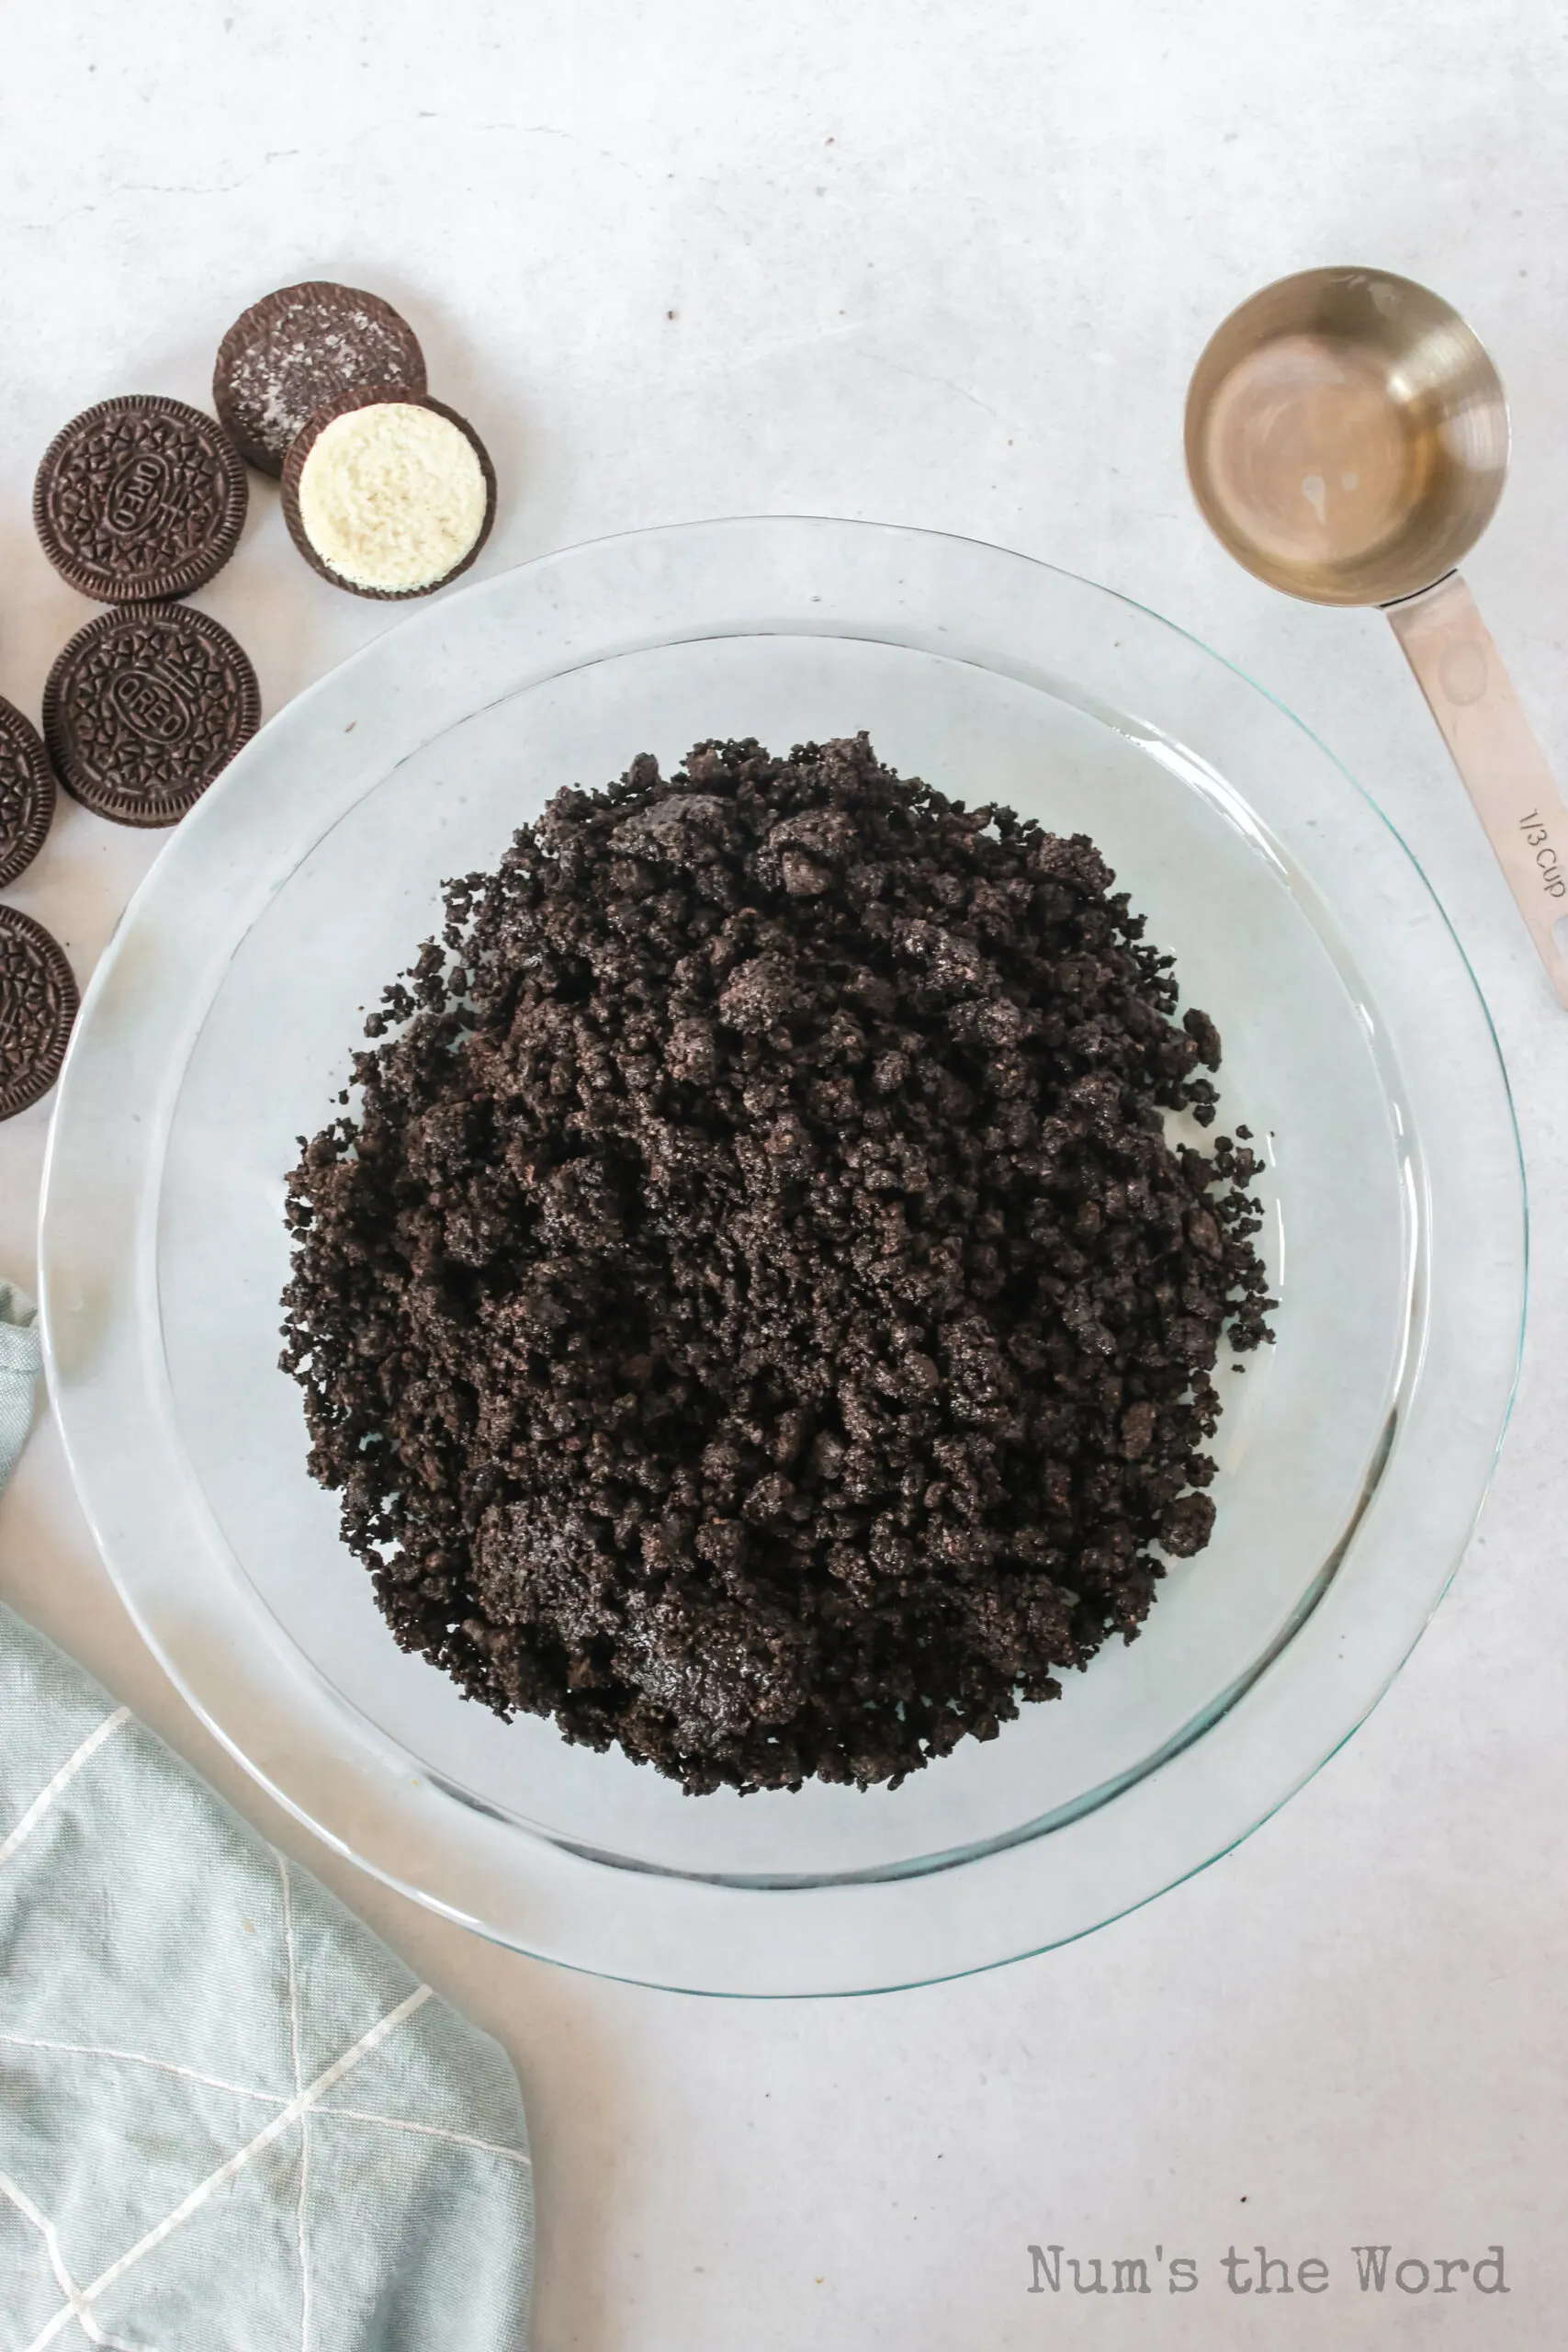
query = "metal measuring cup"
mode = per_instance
[{"x": 1348, "y": 440}]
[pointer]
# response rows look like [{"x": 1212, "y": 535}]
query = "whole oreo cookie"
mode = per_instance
[
  {"x": 27, "y": 792},
  {"x": 140, "y": 499},
  {"x": 144, "y": 708},
  {"x": 38, "y": 1005},
  {"x": 296, "y": 350}
]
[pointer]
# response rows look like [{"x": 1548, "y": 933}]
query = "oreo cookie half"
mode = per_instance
[
  {"x": 38, "y": 1005},
  {"x": 27, "y": 792},
  {"x": 294, "y": 351},
  {"x": 144, "y": 708},
  {"x": 140, "y": 499},
  {"x": 388, "y": 493}
]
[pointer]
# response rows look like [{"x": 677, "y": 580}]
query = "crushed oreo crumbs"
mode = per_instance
[{"x": 751, "y": 1306}]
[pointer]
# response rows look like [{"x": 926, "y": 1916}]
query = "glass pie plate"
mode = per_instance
[{"x": 1353, "y": 1454}]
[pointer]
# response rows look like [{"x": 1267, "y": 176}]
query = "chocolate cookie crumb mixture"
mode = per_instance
[{"x": 756, "y": 1314}]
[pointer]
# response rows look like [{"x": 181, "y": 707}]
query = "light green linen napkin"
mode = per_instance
[{"x": 230, "y": 2121}]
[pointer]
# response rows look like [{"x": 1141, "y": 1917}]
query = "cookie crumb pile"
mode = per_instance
[{"x": 752, "y": 1311}]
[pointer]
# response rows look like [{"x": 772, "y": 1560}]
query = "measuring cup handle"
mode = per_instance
[{"x": 1502, "y": 766}]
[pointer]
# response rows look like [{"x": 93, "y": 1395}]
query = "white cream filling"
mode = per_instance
[{"x": 391, "y": 496}]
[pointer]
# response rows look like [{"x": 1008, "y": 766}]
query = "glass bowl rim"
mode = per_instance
[{"x": 374, "y": 1853}]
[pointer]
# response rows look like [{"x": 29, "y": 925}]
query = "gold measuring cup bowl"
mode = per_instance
[{"x": 1347, "y": 441}]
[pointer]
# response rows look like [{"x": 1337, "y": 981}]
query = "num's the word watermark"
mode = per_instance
[{"x": 1258, "y": 2270}]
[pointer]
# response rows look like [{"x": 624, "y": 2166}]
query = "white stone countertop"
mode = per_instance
[{"x": 949, "y": 264}]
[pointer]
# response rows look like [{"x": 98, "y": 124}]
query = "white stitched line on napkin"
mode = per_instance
[
  {"x": 63, "y": 2281},
  {"x": 139, "y": 2058},
  {"x": 237, "y": 2163},
  {"x": 433, "y": 2130},
  {"x": 269, "y": 2098},
  {"x": 304, "y": 2121},
  {"x": 68, "y": 1772}
]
